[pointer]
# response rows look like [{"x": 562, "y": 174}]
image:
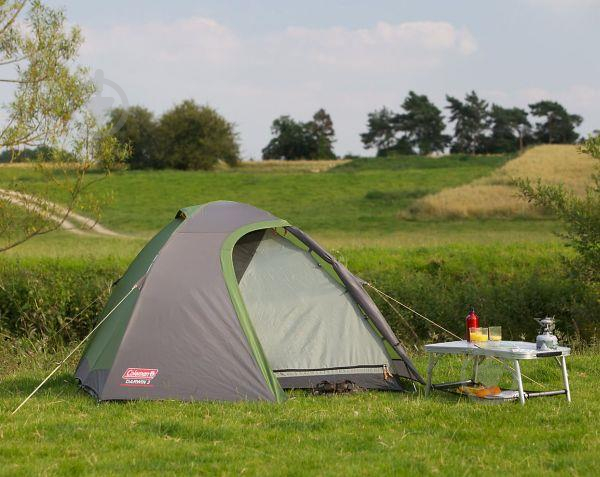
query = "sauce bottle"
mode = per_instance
[{"x": 472, "y": 321}]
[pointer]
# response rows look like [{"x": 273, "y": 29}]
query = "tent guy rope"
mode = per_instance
[
  {"x": 387, "y": 297},
  {"x": 73, "y": 351}
]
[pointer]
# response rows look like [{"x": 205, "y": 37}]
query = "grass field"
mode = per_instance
[
  {"x": 496, "y": 195},
  {"x": 344, "y": 204},
  {"x": 355, "y": 209},
  {"x": 360, "y": 198},
  {"x": 62, "y": 431}
]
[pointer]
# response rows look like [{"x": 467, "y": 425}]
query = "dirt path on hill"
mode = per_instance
[{"x": 74, "y": 223}]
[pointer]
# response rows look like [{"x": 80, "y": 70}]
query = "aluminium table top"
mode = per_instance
[{"x": 499, "y": 349}]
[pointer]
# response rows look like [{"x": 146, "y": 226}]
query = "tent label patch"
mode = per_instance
[{"x": 139, "y": 377}]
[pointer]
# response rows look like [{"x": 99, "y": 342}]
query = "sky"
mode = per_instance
[{"x": 253, "y": 61}]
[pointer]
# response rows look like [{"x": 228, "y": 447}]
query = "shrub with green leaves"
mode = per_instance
[
  {"x": 508, "y": 286},
  {"x": 55, "y": 300},
  {"x": 581, "y": 216}
]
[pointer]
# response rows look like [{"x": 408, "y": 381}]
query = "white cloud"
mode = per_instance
[
  {"x": 384, "y": 47},
  {"x": 188, "y": 40},
  {"x": 532, "y": 95},
  {"x": 584, "y": 96},
  {"x": 253, "y": 78}
]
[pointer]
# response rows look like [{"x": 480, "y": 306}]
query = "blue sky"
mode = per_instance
[{"x": 254, "y": 60}]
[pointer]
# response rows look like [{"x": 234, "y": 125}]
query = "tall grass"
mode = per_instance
[
  {"x": 496, "y": 196},
  {"x": 509, "y": 285}
]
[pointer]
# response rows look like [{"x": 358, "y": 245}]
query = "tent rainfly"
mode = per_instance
[{"x": 228, "y": 302}]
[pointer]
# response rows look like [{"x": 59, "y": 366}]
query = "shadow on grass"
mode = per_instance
[{"x": 23, "y": 386}]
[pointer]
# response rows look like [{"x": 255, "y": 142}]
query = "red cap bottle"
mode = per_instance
[{"x": 472, "y": 321}]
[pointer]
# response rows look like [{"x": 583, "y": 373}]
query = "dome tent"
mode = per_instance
[{"x": 228, "y": 302}]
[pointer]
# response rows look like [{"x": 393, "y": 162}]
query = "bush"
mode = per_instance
[
  {"x": 508, "y": 286},
  {"x": 581, "y": 216},
  {"x": 193, "y": 137},
  {"x": 139, "y": 132},
  {"x": 40, "y": 297}
]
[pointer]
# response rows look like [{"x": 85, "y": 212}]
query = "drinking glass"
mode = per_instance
[
  {"x": 478, "y": 334},
  {"x": 495, "y": 333}
]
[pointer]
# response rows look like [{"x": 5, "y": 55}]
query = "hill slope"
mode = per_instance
[{"x": 496, "y": 196}]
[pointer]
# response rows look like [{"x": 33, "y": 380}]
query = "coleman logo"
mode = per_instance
[{"x": 139, "y": 377}]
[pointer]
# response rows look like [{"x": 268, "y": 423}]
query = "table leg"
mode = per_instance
[
  {"x": 519, "y": 382},
  {"x": 475, "y": 369},
  {"x": 430, "y": 366},
  {"x": 563, "y": 365}
]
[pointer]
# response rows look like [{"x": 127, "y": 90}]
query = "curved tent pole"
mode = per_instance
[
  {"x": 238, "y": 302},
  {"x": 354, "y": 287}
]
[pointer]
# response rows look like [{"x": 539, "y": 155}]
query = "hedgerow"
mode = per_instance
[{"x": 508, "y": 286}]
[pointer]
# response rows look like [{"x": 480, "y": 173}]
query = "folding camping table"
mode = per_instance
[{"x": 512, "y": 351}]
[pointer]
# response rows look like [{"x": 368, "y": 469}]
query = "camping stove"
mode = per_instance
[{"x": 546, "y": 339}]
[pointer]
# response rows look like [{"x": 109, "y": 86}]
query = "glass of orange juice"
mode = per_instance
[
  {"x": 495, "y": 333},
  {"x": 478, "y": 334}
]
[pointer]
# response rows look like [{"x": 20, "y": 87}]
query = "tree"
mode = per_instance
[
  {"x": 382, "y": 134},
  {"x": 293, "y": 140},
  {"x": 196, "y": 137},
  {"x": 33, "y": 155},
  {"x": 423, "y": 124},
  {"x": 557, "y": 125},
  {"x": 511, "y": 129},
  {"x": 581, "y": 216},
  {"x": 47, "y": 110},
  {"x": 471, "y": 123},
  {"x": 139, "y": 132},
  {"x": 321, "y": 128},
  {"x": 290, "y": 140}
]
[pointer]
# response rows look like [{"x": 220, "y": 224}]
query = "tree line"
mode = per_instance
[
  {"x": 478, "y": 127},
  {"x": 192, "y": 136},
  {"x": 420, "y": 128}
]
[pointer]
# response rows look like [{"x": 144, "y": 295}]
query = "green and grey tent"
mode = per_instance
[{"x": 228, "y": 302}]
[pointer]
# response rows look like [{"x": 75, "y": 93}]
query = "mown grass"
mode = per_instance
[
  {"x": 62, "y": 431},
  {"x": 345, "y": 204},
  {"x": 359, "y": 196},
  {"x": 409, "y": 235}
]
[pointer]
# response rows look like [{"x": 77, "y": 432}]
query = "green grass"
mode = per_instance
[
  {"x": 409, "y": 236},
  {"x": 62, "y": 431},
  {"x": 349, "y": 198},
  {"x": 396, "y": 163},
  {"x": 354, "y": 204},
  {"x": 352, "y": 209}
]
